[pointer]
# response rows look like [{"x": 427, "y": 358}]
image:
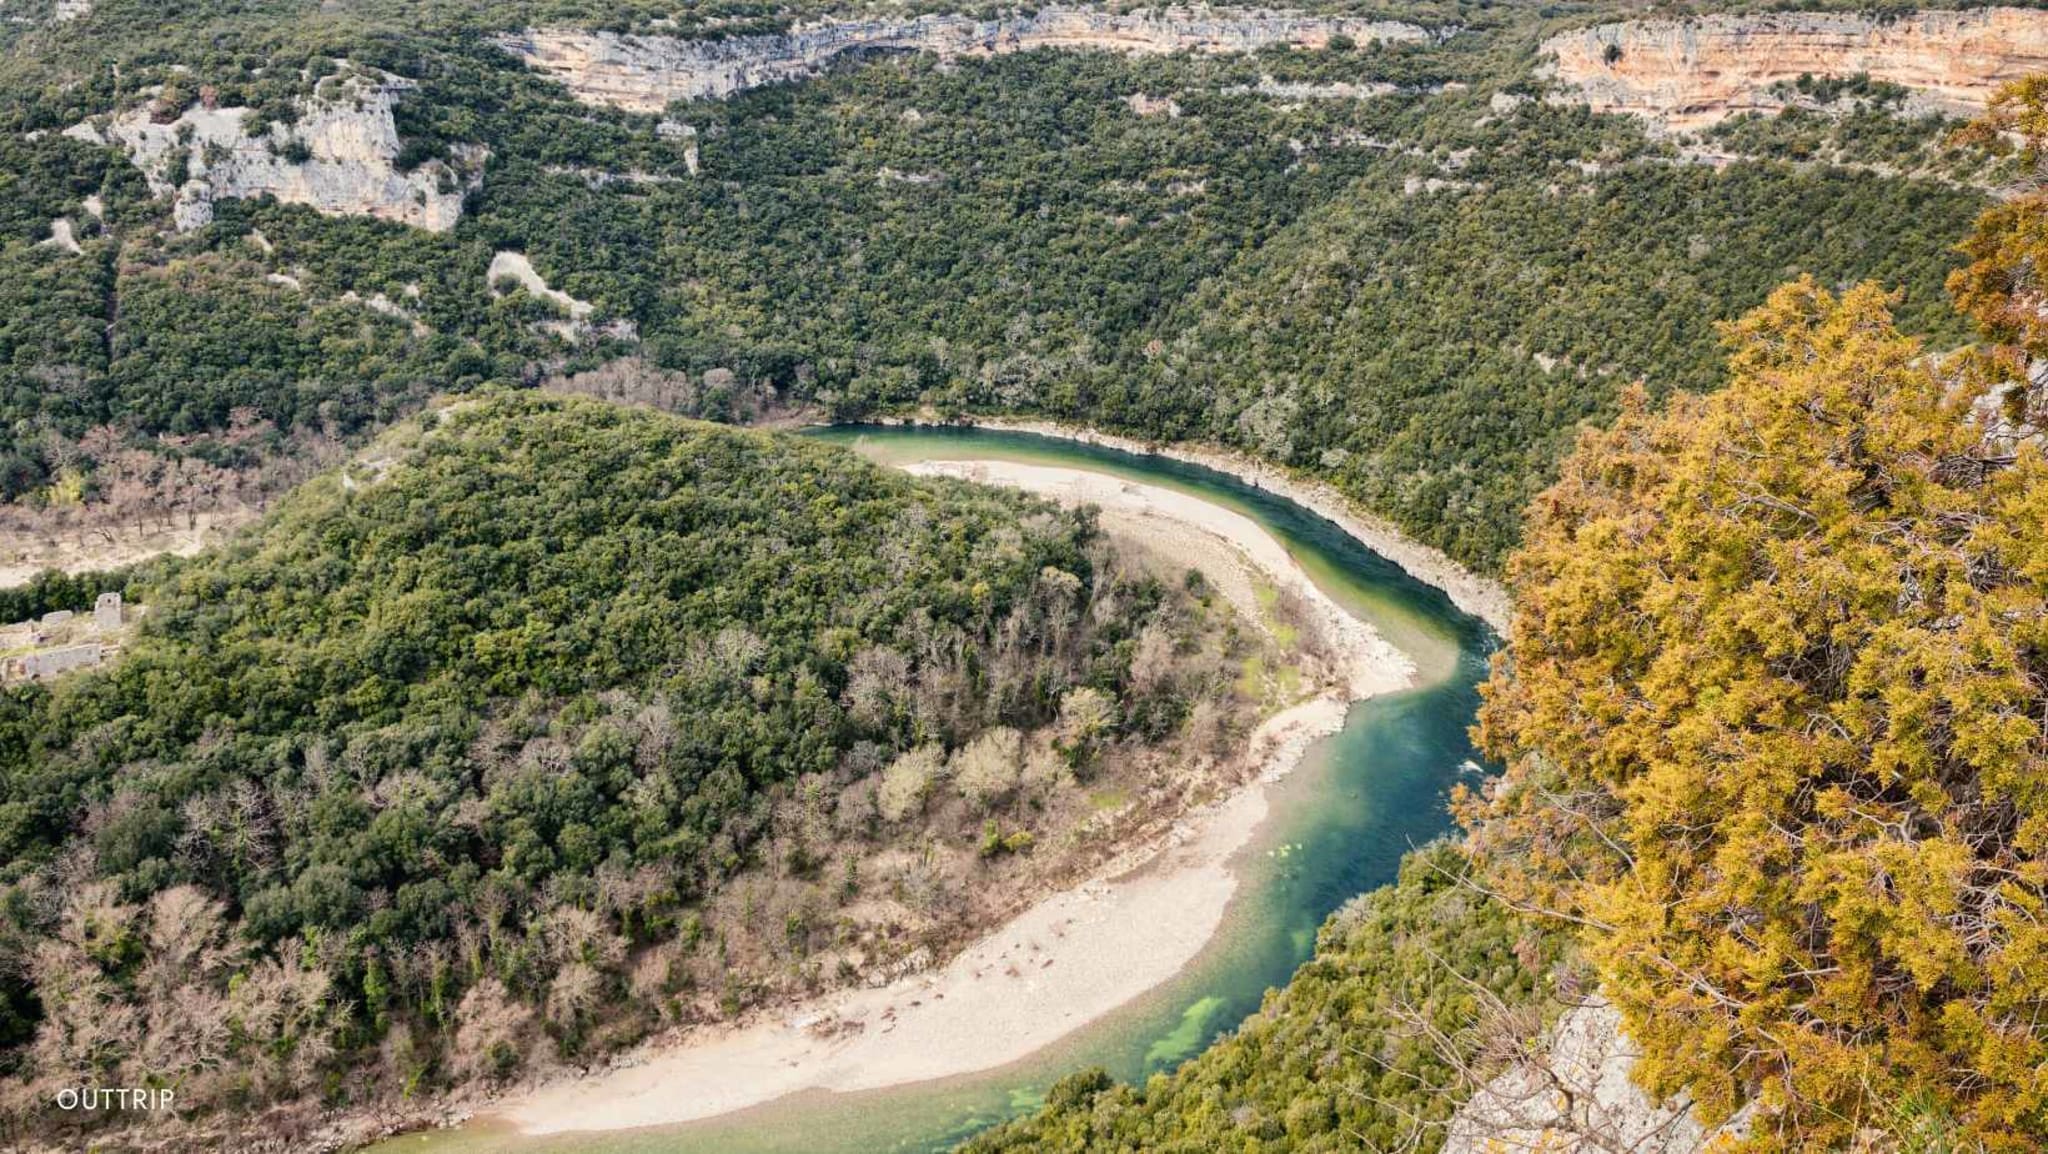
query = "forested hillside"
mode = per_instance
[
  {"x": 1383, "y": 264},
  {"x": 1772, "y": 711},
  {"x": 471, "y": 748},
  {"x": 458, "y": 754}
]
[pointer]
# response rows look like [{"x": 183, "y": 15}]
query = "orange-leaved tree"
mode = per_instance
[{"x": 1773, "y": 708}]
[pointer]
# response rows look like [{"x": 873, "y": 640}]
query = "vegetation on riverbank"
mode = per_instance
[
  {"x": 555, "y": 723},
  {"x": 1019, "y": 235},
  {"x": 1364, "y": 1049},
  {"x": 1772, "y": 709}
]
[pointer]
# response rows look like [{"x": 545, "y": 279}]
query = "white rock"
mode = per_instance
[
  {"x": 1580, "y": 1098},
  {"x": 61, "y": 237},
  {"x": 647, "y": 73},
  {"x": 352, "y": 146},
  {"x": 1290, "y": 90},
  {"x": 514, "y": 266}
]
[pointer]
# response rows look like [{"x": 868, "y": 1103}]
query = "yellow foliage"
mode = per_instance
[
  {"x": 67, "y": 488},
  {"x": 1773, "y": 707}
]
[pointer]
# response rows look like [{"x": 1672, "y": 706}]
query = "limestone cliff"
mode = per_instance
[
  {"x": 646, "y": 73},
  {"x": 1687, "y": 74},
  {"x": 339, "y": 156},
  {"x": 1576, "y": 1096}
]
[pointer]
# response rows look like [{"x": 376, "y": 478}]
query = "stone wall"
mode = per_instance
[
  {"x": 61, "y": 641},
  {"x": 51, "y": 662}
]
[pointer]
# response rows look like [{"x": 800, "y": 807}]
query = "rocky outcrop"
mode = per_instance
[
  {"x": 1577, "y": 1096},
  {"x": 2015, "y": 413},
  {"x": 61, "y": 237},
  {"x": 340, "y": 157},
  {"x": 1144, "y": 105},
  {"x": 647, "y": 73},
  {"x": 1297, "y": 91},
  {"x": 513, "y": 268},
  {"x": 1687, "y": 74}
]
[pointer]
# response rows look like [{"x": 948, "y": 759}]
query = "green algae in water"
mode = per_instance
[{"x": 1197, "y": 1027}]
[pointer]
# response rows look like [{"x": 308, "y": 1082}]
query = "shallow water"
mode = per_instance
[{"x": 1338, "y": 827}]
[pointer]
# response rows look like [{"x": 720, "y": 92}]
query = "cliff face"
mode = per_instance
[
  {"x": 347, "y": 147},
  {"x": 1687, "y": 74},
  {"x": 1576, "y": 1096},
  {"x": 646, "y": 73}
]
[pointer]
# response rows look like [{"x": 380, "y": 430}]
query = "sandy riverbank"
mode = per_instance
[
  {"x": 1064, "y": 962},
  {"x": 1482, "y": 597},
  {"x": 1192, "y": 531}
]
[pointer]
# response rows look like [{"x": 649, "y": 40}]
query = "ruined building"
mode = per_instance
[{"x": 61, "y": 641}]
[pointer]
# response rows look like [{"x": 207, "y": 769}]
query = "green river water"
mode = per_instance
[{"x": 1337, "y": 827}]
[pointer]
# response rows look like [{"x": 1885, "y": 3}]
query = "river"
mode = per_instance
[{"x": 1337, "y": 827}]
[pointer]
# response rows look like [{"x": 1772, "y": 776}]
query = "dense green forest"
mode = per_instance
[
  {"x": 450, "y": 756},
  {"x": 1417, "y": 296},
  {"x": 458, "y": 753},
  {"x": 1772, "y": 713}
]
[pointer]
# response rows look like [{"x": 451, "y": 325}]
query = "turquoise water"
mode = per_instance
[{"x": 1338, "y": 827}]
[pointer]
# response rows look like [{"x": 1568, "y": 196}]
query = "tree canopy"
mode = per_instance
[
  {"x": 1775, "y": 705},
  {"x": 460, "y": 751},
  {"x": 1416, "y": 296}
]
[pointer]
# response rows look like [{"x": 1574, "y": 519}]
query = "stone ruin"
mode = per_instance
[
  {"x": 61, "y": 641},
  {"x": 51, "y": 662}
]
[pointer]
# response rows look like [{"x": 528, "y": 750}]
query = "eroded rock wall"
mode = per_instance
[
  {"x": 340, "y": 157},
  {"x": 646, "y": 73},
  {"x": 1576, "y": 1096},
  {"x": 1688, "y": 74}
]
